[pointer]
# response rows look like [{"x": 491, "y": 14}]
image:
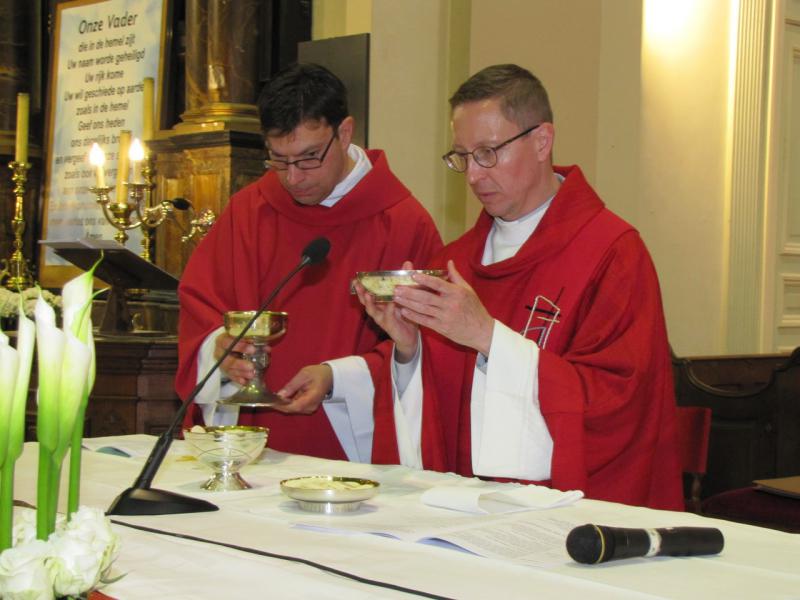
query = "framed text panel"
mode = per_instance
[{"x": 102, "y": 51}]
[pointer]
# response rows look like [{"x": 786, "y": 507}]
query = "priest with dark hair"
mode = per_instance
[{"x": 317, "y": 184}]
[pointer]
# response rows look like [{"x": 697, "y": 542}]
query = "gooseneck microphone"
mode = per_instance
[
  {"x": 592, "y": 544},
  {"x": 141, "y": 499}
]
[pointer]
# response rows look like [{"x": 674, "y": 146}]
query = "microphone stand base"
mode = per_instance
[{"x": 147, "y": 501}]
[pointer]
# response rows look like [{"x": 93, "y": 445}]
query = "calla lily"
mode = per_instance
[
  {"x": 9, "y": 366},
  {"x": 77, "y": 299},
  {"x": 15, "y": 370},
  {"x": 50, "y": 341},
  {"x": 66, "y": 376}
]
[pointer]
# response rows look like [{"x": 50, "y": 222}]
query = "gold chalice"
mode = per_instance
[{"x": 269, "y": 326}]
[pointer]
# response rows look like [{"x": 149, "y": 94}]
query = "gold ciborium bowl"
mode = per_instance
[
  {"x": 226, "y": 449},
  {"x": 381, "y": 284}
]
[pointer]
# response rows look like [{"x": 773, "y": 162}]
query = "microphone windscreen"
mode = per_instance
[
  {"x": 585, "y": 544},
  {"x": 181, "y": 203},
  {"x": 317, "y": 250}
]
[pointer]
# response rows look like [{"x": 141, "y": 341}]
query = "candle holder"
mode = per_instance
[
  {"x": 199, "y": 226},
  {"x": 15, "y": 268},
  {"x": 139, "y": 201}
]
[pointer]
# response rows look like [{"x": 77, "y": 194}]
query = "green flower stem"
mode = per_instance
[
  {"x": 6, "y": 505},
  {"x": 43, "y": 494},
  {"x": 55, "y": 480},
  {"x": 75, "y": 462}
]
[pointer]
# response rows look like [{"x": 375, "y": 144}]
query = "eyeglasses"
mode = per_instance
[
  {"x": 485, "y": 156},
  {"x": 305, "y": 164}
]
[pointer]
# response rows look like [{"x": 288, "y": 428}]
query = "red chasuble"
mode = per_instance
[
  {"x": 257, "y": 240},
  {"x": 583, "y": 287}
]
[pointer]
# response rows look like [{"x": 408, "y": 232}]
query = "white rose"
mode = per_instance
[
  {"x": 24, "y": 530},
  {"x": 93, "y": 527},
  {"x": 23, "y": 573},
  {"x": 74, "y": 565}
]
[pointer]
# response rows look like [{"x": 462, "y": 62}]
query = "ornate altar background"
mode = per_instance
[{"x": 207, "y": 141}]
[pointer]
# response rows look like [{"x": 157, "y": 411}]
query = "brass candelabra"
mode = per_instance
[
  {"x": 15, "y": 269},
  {"x": 199, "y": 226},
  {"x": 139, "y": 201}
]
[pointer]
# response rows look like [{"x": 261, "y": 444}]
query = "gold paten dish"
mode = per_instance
[
  {"x": 329, "y": 494},
  {"x": 381, "y": 284}
]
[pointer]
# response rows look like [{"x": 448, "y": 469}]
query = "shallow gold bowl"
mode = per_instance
[
  {"x": 328, "y": 493},
  {"x": 381, "y": 284}
]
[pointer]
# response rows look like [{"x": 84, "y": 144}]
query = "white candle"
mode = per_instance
[
  {"x": 147, "y": 105},
  {"x": 122, "y": 165},
  {"x": 136, "y": 155},
  {"x": 21, "y": 147},
  {"x": 98, "y": 158}
]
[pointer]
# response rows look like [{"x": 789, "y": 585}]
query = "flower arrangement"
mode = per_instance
[
  {"x": 75, "y": 558},
  {"x": 58, "y": 556},
  {"x": 10, "y": 302}
]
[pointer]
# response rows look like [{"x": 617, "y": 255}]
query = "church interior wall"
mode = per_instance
[{"x": 644, "y": 116}]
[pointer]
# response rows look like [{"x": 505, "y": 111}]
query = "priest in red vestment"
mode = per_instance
[
  {"x": 318, "y": 184},
  {"x": 543, "y": 356}
]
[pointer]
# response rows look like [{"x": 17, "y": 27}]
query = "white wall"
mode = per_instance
[{"x": 643, "y": 112}]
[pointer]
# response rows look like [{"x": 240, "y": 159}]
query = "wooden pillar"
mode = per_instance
[{"x": 217, "y": 147}]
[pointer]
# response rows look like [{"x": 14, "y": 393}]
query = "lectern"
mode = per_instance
[{"x": 122, "y": 269}]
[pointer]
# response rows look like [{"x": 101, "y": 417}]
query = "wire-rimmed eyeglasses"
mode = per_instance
[
  {"x": 485, "y": 156},
  {"x": 305, "y": 164}
]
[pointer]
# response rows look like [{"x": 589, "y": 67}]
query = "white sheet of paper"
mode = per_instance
[{"x": 482, "y": 501}]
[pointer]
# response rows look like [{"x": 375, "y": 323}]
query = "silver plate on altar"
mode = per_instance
[{"x": 329, "y": 494}]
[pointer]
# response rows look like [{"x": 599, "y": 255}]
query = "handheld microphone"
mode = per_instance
[
  {"x": 592, "y": 544},
  {"x": 141, "y": 499}
]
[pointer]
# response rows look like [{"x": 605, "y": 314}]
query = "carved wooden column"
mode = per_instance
[{"x": 217, "y": 147}]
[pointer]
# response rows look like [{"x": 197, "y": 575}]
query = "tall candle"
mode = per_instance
[
  {"x": 147, "y": 104},
  {"x": 122, "y": 165},
  {"x": 136, "y": 155},
  {"x": 98, "y": 158},
  {"x": 21, "y": 147}
]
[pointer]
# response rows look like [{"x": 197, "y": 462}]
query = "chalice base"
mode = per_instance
[
  {"x": 225, "y": 481},
  {"x": 252, "y": 395}
]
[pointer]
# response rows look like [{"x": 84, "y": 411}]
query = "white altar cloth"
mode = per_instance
[{"x": 756, "y": 562}]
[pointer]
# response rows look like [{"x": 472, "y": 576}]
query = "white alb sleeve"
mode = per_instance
[
  {"x": 407, "y": 400},
  {"x": 214, "y": 389},
  {"x": 509, "y": 435},
  {"x": 349, "y": 409}
]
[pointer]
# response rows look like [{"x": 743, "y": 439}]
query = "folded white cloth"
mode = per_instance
[{"x": 510, "y": 499}]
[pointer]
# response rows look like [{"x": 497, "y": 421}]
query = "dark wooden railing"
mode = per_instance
[{"x": 755, "y": 423}]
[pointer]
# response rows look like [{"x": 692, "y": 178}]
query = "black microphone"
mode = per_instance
[
  {"x": 141, "y": 499},
  {"x": 592, "y": 544},
  {"x": 181, "y": 203}
]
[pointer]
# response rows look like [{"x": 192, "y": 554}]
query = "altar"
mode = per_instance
[{"x": 393, "y": 546}]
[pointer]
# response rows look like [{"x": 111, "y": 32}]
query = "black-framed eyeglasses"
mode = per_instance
[
  {"x": 485, "y": 156},
  {"x": 305, "y": 164}
]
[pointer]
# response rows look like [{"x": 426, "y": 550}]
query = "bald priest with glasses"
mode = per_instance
[
  {"x": 317, "y": 184},
  {"x": 543, "y": 357}
]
